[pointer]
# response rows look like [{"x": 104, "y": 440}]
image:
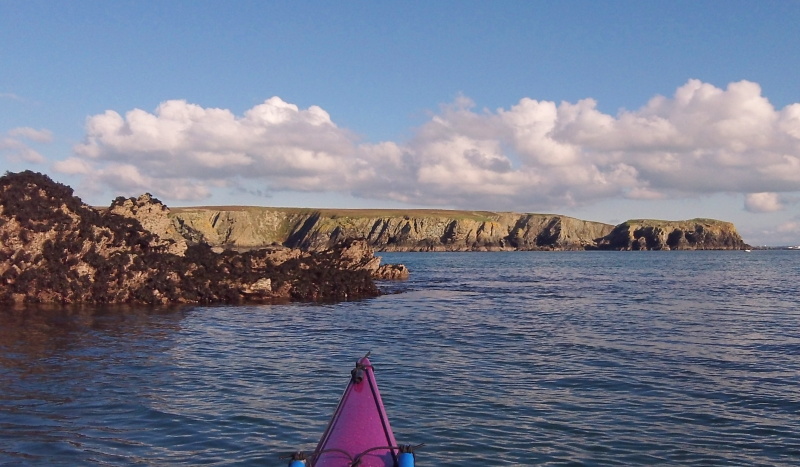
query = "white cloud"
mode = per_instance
[
  {"x": 763, "y": 202},
  {"x": 128, "y": 178},
  {"x": 785, "y": 233},
  {"x": 791, "y": 227},
  {"x": 272, "y": 141},
  {"x": 73, "y": 166},
  {"x": 16, "y": 149},
  {"x": 32, "y": 134},
  {"x": 534, "y": 155}
]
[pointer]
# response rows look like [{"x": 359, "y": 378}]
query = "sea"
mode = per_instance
[{"x": 489, "y": 359}]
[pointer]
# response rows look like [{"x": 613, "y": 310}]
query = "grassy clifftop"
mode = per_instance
[{"x": 445, "y": 230}]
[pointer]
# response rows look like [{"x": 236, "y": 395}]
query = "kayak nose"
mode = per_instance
[{"x": 357, "y": 374}]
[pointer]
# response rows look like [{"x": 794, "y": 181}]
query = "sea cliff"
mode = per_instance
[
  {"x": 442, "y": 230},
  {"x": 694, "y": 234}
]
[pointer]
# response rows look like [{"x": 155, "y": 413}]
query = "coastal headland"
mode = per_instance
[
  {"x": 443, "y": 230},
  {"x": 56, "y": 249}
]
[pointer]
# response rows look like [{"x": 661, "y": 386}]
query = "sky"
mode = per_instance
[{"x": 604, "y": 111}]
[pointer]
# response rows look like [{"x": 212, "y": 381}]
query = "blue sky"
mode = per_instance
[{"x": 604, "y": 111}]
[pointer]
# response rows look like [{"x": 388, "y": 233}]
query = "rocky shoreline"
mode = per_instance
[{"x": 56, "y": 249}]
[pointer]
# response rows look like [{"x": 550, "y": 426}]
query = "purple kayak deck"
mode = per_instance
[{"x": 358, "y": 426}]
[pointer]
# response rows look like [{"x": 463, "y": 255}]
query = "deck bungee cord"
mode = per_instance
[{"x": 405, "y": 457}]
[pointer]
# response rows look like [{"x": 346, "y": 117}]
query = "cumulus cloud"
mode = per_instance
[
  {"x": 16, "y": 148},
  {"x": 532, "y": 155},
  {"x": 182, "y": 149},
  {"x": 763, "y": 202}
]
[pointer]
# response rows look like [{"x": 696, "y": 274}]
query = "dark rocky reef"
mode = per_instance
[{"x": 56, "y": 249}]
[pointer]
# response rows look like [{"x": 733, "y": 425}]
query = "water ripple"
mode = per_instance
[{"x": 490, "y": 359}]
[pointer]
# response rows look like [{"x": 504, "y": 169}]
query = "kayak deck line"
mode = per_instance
[
  {"x": 406, "y": 456},
  {"x": 359, "y": 433}
]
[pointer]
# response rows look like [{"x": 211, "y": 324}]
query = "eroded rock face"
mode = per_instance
[
  {"x": 694, "y": 234},
  {"x": 391, "y": 230},
  {"x": 56, "y": 249},
  {"x": 430, "y": 230}
]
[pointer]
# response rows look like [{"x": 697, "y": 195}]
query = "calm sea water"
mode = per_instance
[{"x": 540, "y": 358}]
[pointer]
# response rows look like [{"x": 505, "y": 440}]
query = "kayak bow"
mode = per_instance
[{"x": 359, "y": 433}]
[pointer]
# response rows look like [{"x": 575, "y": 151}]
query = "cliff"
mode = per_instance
[
  {"x": 56, "y": 249},
  {"x": 694, "y": 234},
  {"x": 440, "y": 230},
  {"x": 387, "y": 230}
]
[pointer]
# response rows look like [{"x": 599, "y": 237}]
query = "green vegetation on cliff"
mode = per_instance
[{"x": 445, "y": 230}]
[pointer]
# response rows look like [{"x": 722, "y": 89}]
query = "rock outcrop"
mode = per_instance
[
  {"x": 56, "y": 249},
  {"x": 694, "y": 234},
  {"x": 154, "y": 217}
]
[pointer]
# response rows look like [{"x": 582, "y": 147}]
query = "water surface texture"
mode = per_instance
[{"x": 522, "y": 358}]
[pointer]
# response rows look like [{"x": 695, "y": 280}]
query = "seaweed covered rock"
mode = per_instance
[{"x": 56, "y": 249}]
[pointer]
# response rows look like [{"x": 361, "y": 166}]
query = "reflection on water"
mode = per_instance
[
  {"x": 66, "y": 376},
  {"x": 41, "y": 331},
  {"x": 490, "y": 359}
]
